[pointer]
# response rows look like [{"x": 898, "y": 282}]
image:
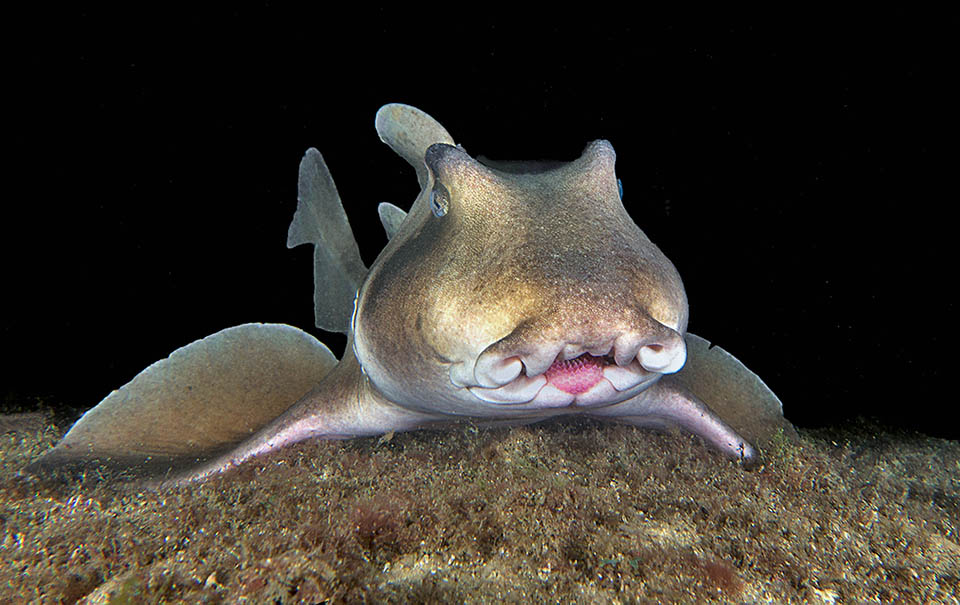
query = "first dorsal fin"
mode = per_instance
[
  {"x": 409, "y": 131},
  {"x": 320, "y": 220}
]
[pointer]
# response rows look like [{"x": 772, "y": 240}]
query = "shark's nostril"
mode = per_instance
[
  {"x": 663, "y": 358},
  {"x": 492, "y": 372}
]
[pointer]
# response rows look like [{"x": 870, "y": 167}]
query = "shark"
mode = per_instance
[{"x": 509, "y": 293}]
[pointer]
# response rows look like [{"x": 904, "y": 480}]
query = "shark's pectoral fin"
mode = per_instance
[
  {"x": 669, "y": 404},
  {"x": 320, "y": 220},
  {"x": 343, "y": 406},
  {"x": 732, "y": 391},
  {"x": 200, "y": 401}
]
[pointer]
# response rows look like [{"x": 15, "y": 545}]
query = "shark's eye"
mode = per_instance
[
  {"x": 620, "y": 188},
  {"x": 439, "y": 199}
]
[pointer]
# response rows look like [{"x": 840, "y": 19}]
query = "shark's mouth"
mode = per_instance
[
  {"x": 585, "y": 380},
  {"x": 578, "y": 372}
]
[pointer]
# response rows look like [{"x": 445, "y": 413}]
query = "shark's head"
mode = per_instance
[{"x": 519, "y": 288}]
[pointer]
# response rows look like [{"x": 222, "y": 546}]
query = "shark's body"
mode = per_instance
[{"x": 507, "y": 294}]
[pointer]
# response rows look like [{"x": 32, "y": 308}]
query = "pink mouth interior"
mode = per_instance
[{"x": 577, "y": 375}]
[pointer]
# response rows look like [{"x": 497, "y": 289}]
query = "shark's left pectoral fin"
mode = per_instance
[
  {"x": 737, "y": 395},
  {"x": 203, "y": 399}
]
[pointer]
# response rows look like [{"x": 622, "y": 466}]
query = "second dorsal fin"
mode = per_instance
[{"x": 391, "y": 217}]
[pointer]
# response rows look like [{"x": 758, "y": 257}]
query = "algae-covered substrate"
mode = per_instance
[{"x": 572, "y": 511}]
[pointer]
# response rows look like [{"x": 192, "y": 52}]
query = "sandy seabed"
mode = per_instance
[{"x": 571, "y": 511}]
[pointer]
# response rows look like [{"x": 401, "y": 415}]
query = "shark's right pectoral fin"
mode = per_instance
[
  {"x": 203, "y": 399},
  {"x": 737, "y": 395}
]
